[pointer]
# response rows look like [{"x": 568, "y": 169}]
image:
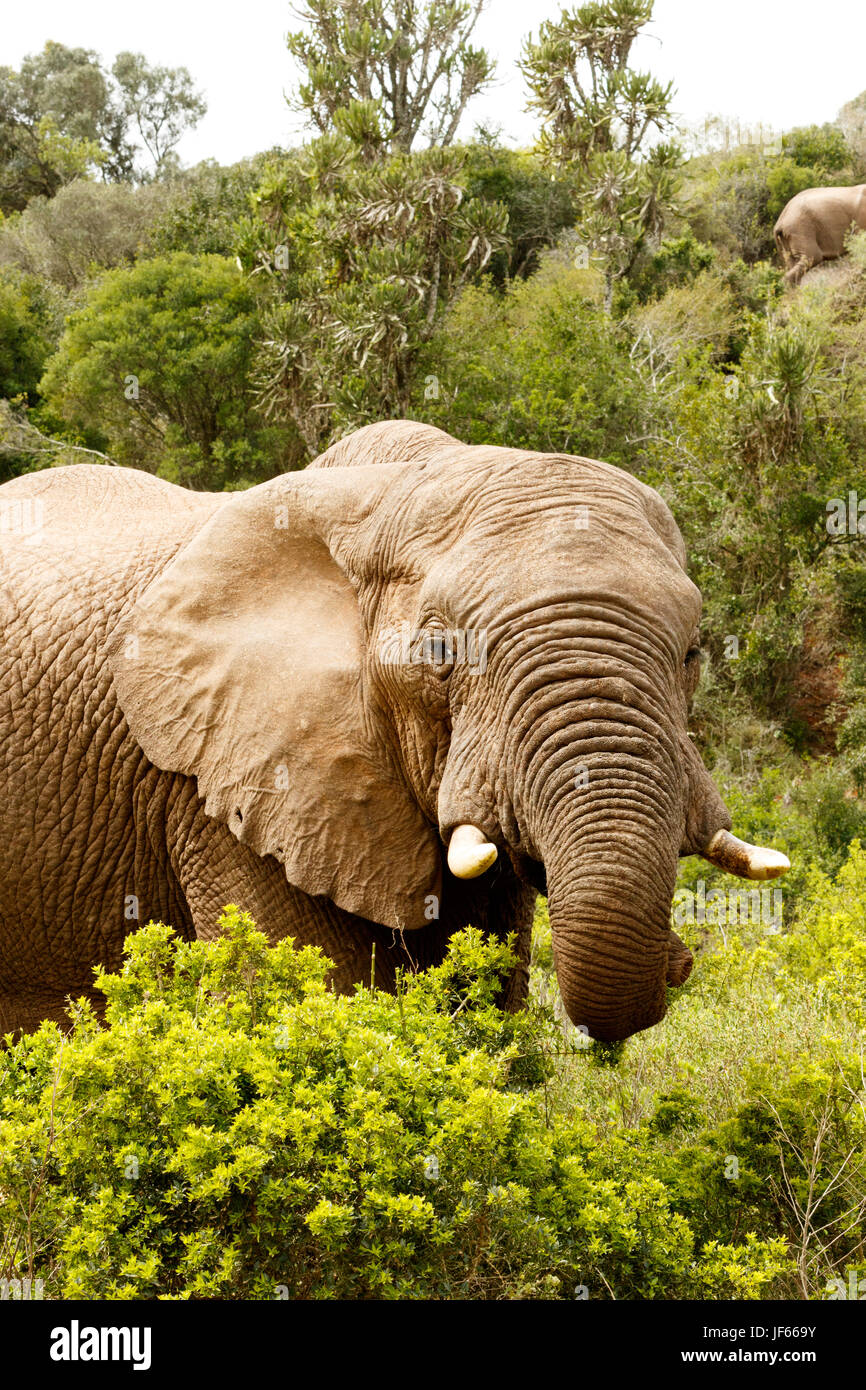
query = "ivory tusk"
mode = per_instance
[
  {"x": 469, "y": 853},
  {"x": 745, "y": 860}
]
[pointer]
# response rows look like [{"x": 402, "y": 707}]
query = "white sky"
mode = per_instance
[{"x": 777, "y": 62}]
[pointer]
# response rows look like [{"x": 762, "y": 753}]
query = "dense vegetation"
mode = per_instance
[{"x": 598, "y": 294}]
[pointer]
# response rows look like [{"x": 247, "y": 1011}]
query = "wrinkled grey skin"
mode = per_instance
[
  {"x": 200, "y": 706},
  {"x": 812, "y": 227}
]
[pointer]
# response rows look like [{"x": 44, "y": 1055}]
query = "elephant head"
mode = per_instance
[{"x": 418, "y": 652}]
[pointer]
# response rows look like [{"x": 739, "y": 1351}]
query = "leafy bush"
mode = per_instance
[
  {"x": 24, "y": 344},
  {"x": 237, "y": 1131},
  {"x": 725, "y": 203},
  {"x": 822, "y": 147},
  {"x": 790, "y": 1160},
  {"x": 677, "y": 261},
  {"x": 540, "y": 367},
  {"x": 160, "y": 357},
  {"x": 697, "y": 318},
  {"x": 806, "y": 810},
  {"x": 84, "y": 228}
]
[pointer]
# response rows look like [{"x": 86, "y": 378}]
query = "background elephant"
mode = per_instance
[
  {"x": 812, "y": 227},
  {"x": 203, "y": 703}
]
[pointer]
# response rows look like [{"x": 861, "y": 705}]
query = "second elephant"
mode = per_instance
[{"x": 812, "y": 227}]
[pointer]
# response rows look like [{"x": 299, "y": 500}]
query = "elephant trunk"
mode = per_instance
[
  {"x": 611, "y": 936},
  {"x": 597, "y": 793},
  {"x": 608, "y": 821}
]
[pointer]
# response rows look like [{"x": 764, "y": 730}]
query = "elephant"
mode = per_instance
[
  {"x": 399, "y": 692},
  {"x": 812, "y": 227}
]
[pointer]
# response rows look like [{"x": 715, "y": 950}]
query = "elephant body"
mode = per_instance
[
  {"x": 812, "y": 227},
  {"x": 94, "y": 839},
  {"x": 201, "y": 705}
]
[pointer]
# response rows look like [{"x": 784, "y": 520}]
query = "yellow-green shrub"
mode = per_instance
[{"x": 238, "y": 1131}]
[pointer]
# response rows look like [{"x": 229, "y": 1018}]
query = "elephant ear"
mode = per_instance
[{"x": 243, "y": 665}]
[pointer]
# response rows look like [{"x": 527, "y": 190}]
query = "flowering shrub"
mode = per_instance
[{"x": 238, "y": 1131}]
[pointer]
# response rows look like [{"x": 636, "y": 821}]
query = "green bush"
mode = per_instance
[
  {"x": 827, "y": 951},
  {"x": 155, "y": 369},
  {"x": 24, "y": 343},
  {"x": 821, "y": 146},
  {"x": 238, "y": 1131},
  {"x": 799, "y": 1136},
  {"x": 538, "y": 367},
  {"x": 789, "y": 1161},
  {"x": 677, "y": 261},
  {"x": 86, "y": 227}
]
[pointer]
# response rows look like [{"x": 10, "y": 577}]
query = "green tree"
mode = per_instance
[
  {"x": 199, "y": 209},
  {"x": 540, "y": 367},
  {"x": 821, "y": 146},
  {"x": 155, "y": 369},
  {"x": 26, "y": 314},
  {"x": 354, "y": 266},
  {"x": 376, "y": 70},
  {"x": 56, "y": 123},
  {"x": 62, "y": 116},
  {"x": 597, "y": 114},
  {"x": 24, "y": 342},
  {"x": 159, "y": 102},
  {"x": 539, "y": 207}
]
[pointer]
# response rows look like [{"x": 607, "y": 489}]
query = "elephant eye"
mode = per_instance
[
  {"x": 692, "y": 671},
  {"x": 435, "y": 649},
  {"x": 432, "y": 645}
]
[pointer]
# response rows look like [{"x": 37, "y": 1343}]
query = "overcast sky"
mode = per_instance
[{"x": 763, "y": 61}]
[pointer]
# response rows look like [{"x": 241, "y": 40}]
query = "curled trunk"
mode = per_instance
[
  {"x": 609, "y": 824},
  {"x": 611, "y": 943}
]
